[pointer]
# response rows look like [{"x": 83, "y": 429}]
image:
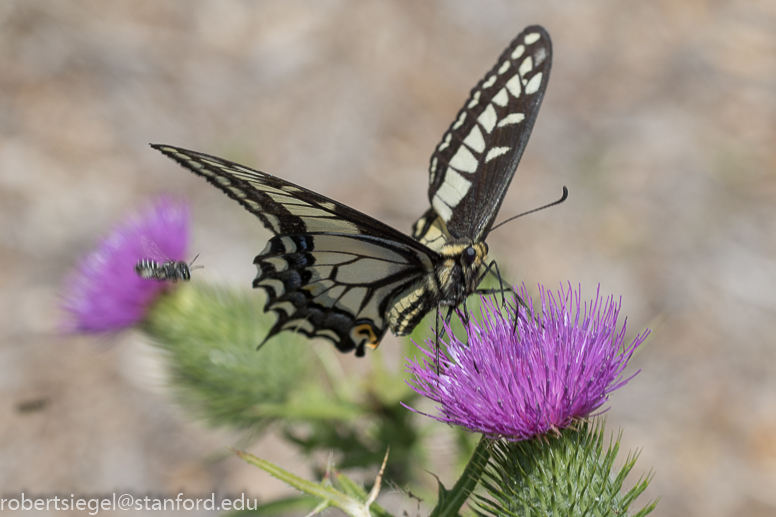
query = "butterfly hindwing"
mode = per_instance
[
  {"x": 329, "y": 271},
  {"x": 473, "y": 165},
  {"x": 337, "y": 286}
]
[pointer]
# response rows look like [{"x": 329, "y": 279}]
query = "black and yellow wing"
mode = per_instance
[
  {"x": 330, "y": 271},
  {"x": 474, "y": 163}
]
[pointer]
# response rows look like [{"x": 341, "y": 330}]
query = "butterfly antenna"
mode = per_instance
[{"x": 559, "y": 201}]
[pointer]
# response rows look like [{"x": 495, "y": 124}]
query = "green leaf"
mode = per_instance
[
  {"x": 353, "y": 489},
  {"x": 325, "y": 492}
]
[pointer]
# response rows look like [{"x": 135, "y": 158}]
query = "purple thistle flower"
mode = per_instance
[
  {"x": 105, "y": 293},
  {"x": 557, "y": 367}
]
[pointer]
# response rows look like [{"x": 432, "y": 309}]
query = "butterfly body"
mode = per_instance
[
  {"x": 333, "y": 272},
  {"x": 451, "y": 281}
]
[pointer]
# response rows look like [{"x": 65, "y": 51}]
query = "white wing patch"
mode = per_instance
[
  {"x": 288, "y": 244},
  {"x": 432, "y": 169},
  {"x": 514, "y": 86},
  {"x": 526, "y": 66},
  {"x": 488, "y": 118},
  {"x": 352, "y": 298},
  {"x": 540, "y": 56},
  {"x": 368, "y": 270},
  {"x": 495, "y": 152},
  {"x": 356, "y": 246},
  {"x": 445, "y": 142},
  {"x": 318, "y": 287},
  {"x": 443, "y": 210},
  {"x": 474, "y": 139},
  {"x": 331, "y": 258},
  {"x": 460, "y": 121},
  {"x": 463, "y": 160},
  {"x": 330, "y": 295},
  {"x": 305, "y": 211},
  {"x": 299, "y": 325},
  {"x": 278, "y": 263},
  {"x": 285, "y": 306},
  {"x": 512, "y": 118},
  {"x": 237, "y": 192},
  {"x": 453, "y": 190},
  {"x": 475, "y": 99},
  {"x": 330, "y": 224},
  {"x": 533, "y": 84},
  {"x": 532, "y": 38},
  {"x": 276, "y": 286},
  {"x": 501, "y": 98},
  {"x": 273, "y": 220},
  {"x": 435, "y": 237}
]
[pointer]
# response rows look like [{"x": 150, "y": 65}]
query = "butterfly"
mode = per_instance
[{"x": 330, "y": 271}]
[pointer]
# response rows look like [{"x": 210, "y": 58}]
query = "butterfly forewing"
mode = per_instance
[
  {"x": 473, "y": 165},
  {"x": 330, "y": 271}
]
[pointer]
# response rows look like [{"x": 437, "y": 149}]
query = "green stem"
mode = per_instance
[{"x": 451, "y": 501}]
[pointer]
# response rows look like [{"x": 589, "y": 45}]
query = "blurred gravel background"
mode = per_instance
[{"x": 660, "y": 117}]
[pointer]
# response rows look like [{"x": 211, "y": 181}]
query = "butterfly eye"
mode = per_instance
[{"x": 469, "y": 255}]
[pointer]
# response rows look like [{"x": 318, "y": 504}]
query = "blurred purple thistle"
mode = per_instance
[
  {"x": 557, "y": 367},
  {"x": 105, "y": 293}
]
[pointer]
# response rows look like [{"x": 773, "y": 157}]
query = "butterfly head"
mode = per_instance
[{"x": 459, "y": 273}]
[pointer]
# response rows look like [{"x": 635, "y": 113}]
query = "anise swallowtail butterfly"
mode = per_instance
[{"x": 333, "y": 272}]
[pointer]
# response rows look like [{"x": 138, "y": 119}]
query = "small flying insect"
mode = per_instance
[{"x": 160, "y": 267}]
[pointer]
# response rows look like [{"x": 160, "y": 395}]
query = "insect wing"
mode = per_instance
[
  {"x": 330, "y": 271},
  {"x": 474, "y": 163},
  {"x": 151, "y": 251}
]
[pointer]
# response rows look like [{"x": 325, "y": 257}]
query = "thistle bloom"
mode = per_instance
[
  {"x": 105, "y": 293},
  {"x": 522, "y": 379}
]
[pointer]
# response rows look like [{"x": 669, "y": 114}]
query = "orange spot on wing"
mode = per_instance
[{"x": 366, "y": 330}]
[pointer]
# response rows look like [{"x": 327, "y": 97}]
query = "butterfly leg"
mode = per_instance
[
  {"x": 441, "y": 333},
  {"x": 528, "y": 312},
  {"x": 465, "y": 318},
  {"x": 492, "y": 268},
  {"x": 436, "y": 340},
  {"x": 517, "y": 313}
]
